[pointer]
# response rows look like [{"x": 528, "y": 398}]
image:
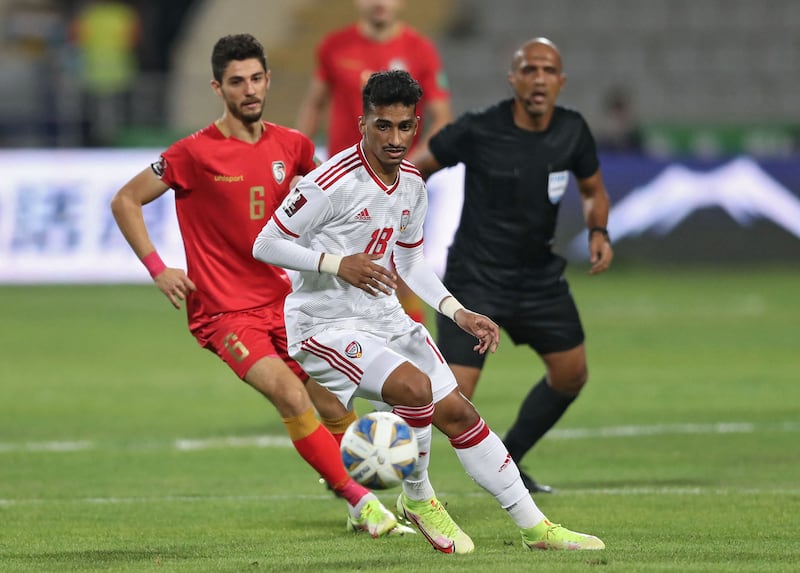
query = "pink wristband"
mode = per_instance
[{"x": 153, "y": 264}]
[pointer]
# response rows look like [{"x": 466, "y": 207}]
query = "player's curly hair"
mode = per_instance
[
  {"x": 235, "y": 47},
  {"x": 388, "y": 88}
]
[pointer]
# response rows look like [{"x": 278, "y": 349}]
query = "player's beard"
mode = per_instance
[
  {"x": 380, "y": 18},
  {"x": 244, "y": 116}
]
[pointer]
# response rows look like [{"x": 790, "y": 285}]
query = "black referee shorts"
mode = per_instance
[{"x": 547, "y": 321}]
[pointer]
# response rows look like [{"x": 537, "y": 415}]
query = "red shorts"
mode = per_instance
[{"x": 243, "y": 338}]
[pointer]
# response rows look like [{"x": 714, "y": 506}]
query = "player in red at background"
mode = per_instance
[
  {"x": 345, "y": 60},
  {"x": 228, "y": 179}
]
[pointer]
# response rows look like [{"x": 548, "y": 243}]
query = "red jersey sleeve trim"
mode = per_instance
[
  {"x": 409, "y": 168},
  {"x": 283, "y": 228},
  {"x": 337, "y": 171},
  {"x": 409, "y": 245}
]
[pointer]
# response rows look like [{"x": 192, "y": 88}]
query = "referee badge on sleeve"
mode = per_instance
[{"x": 556, "y": 185}]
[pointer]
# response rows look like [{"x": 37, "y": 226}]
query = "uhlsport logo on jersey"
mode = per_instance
[
  {"x": 279, "y": 171},
  {"x": 353, "y": 350},
  {"x": 293, "y": 202},
  {"x": 404, "y": 219}
]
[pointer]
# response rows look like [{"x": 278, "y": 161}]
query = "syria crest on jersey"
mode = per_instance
[
  {"x": 279, "y": 171},
  {"x": 404, "y": 220},
  {"x": 293, "y": 202},
  {"x": 353, "y": 350}
]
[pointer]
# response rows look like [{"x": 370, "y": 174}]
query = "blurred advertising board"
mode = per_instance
[
  {"x": 726, "y": 210},
  {"x": 56, "y": 225}
]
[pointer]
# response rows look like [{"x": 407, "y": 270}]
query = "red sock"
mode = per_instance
[{"x": 321, "y": 451}]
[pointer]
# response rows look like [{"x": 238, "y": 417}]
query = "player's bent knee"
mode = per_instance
[
  {"x": 454, "y": 414},
  {"x": 408, "y": 386}
]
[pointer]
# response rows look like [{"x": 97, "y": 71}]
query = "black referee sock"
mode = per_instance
[{"x": 539, "y": 412}]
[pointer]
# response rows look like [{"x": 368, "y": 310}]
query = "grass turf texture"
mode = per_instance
[{"x": 681, "y": 454}]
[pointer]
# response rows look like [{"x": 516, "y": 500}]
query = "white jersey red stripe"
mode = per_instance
[{"x": 343, "y": 208}]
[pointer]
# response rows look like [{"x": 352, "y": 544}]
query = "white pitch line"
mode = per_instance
[
  {"x": 234, "y": 442},
  {"x": 672, "y": 429},
  {"x": 51, "y": 446},
  {"x": 267, "y": 441},
  {"x": 619, "y": 491}
]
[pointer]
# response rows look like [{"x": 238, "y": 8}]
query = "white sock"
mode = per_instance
[
  {"x": 417, "y": 486},
  {"x": 488, "y": 462}
]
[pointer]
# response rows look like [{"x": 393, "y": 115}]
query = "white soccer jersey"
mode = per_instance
[{"x": 343, "y": 208}]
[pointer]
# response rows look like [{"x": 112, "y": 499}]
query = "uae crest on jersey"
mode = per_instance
[
  {"x": 353, "y": 350},
  {"x": 404, "y": 220},
  {"x": 279, "y": 171}
]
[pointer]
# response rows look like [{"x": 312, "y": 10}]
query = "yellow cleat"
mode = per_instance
[{"x": 546, "y": 535}]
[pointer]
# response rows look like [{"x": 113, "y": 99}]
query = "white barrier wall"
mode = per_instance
[{"x": 56, "y": 225}]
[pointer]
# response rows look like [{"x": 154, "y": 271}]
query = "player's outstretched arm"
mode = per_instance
[{"x": 481, "y": 327}]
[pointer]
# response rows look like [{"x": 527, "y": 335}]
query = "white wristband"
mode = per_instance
[
  {"x": 450, "y": 306},
  {"x": 330, "y": 264}
]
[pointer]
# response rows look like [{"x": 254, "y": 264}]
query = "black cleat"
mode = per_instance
[{"x": 532, "y": 485}]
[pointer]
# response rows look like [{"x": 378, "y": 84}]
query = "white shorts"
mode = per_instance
[{"x": 355, "y": 363}]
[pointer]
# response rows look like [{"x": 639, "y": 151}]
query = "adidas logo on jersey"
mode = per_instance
[{"x": 363, "y": 215}]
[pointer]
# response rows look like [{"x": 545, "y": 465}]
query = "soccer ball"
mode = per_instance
[{"x": 379, "y": 450}]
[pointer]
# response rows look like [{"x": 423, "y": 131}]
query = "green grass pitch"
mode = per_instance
[{"x": 125, "y": 447}]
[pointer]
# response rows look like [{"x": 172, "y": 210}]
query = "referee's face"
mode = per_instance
[
  {"x": 536, "y": 78},
  {"x": 388, "y": 132}
]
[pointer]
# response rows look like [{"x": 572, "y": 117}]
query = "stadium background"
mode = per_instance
[
  {"x": 705, "y": 82},
  {"x": 124, "y": 447}
]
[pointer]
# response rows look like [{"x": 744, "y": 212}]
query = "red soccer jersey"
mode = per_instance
[
  {"x": 345, "y": 60},
  {"x": 225, "y": 190}
]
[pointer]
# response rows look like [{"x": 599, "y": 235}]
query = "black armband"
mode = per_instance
[{"x": 602, "y": 230}]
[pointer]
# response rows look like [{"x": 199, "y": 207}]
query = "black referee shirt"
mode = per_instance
[{"x": 513, "y": 185}]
